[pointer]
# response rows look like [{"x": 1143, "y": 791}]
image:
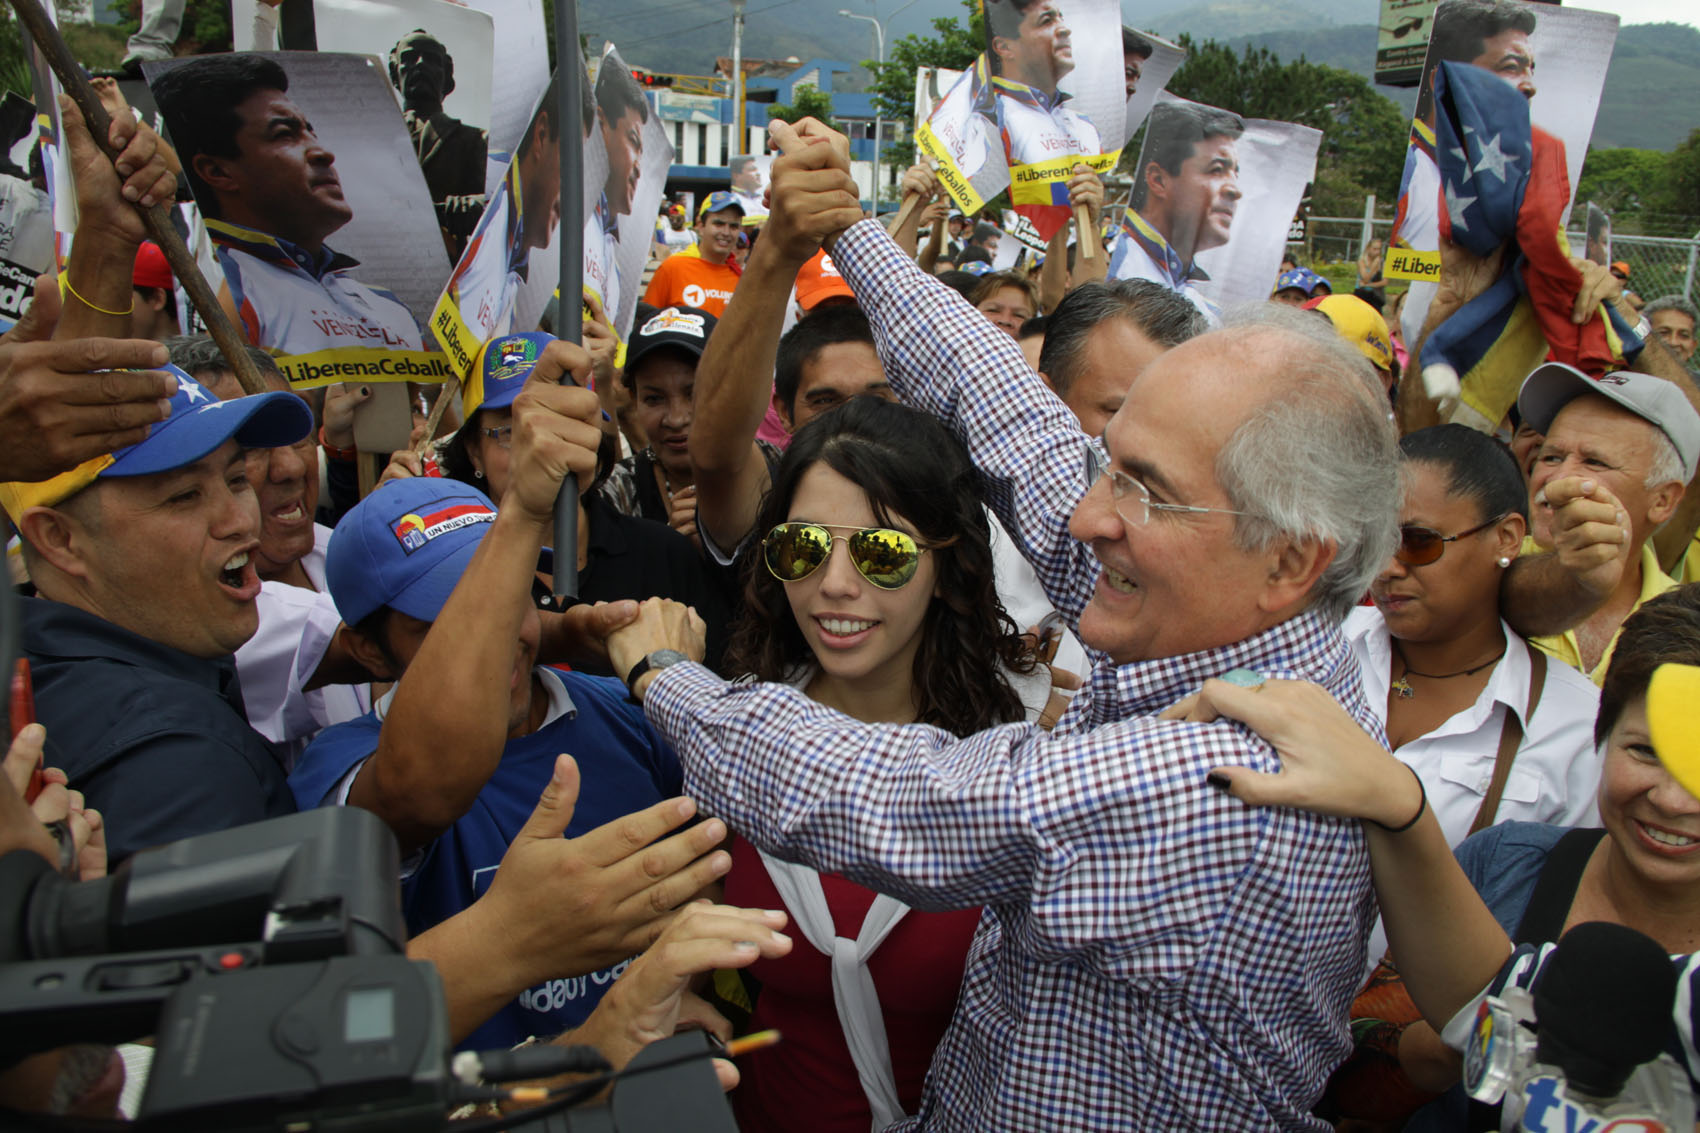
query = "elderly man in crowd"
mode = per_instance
[
  {"x": 1673, "y": 319},
  {"x": 1639, "y": 438},
  {"x": 1146, "y": 960}
]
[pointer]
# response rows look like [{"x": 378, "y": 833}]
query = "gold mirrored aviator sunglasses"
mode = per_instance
[{"x": 886, "y": 557}]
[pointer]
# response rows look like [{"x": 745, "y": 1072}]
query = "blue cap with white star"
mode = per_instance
[{"x": 200, "y": 422}]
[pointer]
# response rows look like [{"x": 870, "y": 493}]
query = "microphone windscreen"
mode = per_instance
[{"x": 1603, "y": 1004}]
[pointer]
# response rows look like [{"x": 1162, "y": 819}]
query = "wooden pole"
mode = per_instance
[{"x": 157, "y": 219}]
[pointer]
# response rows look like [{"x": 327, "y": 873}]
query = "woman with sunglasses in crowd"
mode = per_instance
[
  {"x": 1493, "y": 730},
  {"x": 871, "y": 589}
]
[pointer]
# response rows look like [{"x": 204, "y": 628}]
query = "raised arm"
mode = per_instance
[
  {"x": 1549, "y": 592},
  {"x": 447, "y": 725},
  {"x": 942, "y": 356},
  {"x": 734, "y": 380},
  {"x": 1056, "y": 278}
]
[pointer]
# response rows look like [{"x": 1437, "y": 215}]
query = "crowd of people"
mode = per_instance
[{"x": 1050, "y": 706}]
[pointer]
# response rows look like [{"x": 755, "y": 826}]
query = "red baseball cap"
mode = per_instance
[
  {"x": 151, "y": 269},
  {"x": 818, "y": 280}
]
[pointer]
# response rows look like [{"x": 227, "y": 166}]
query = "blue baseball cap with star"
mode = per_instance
[{"x": 199, "y": 423}]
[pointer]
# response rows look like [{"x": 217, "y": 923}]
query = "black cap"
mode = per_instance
[{"x": 686, "y": 328}]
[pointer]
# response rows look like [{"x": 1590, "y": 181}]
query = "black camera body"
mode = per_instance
[{"x": 267, "y": 961}]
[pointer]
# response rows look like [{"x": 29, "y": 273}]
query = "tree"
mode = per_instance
[
  {"x": 1620, "y": 181},
  {"x": 952, "y": 45},
  {"x": 808, "y": 101},
  {"x": 1363, "y": 133}
]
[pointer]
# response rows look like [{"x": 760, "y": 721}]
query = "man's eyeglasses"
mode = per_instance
[
  {"x": 1132, "y": 499},
  {"x": 885, "y": 557},
  {"x": 1420, "y": 546},
  {"x": 503, "y": 435}
]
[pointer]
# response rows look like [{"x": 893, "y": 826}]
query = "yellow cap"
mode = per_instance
[
  {"x": 18, "y": 495},
  {"x": 1361, "y": 325},
  {"x": 1673, "y": 696}
]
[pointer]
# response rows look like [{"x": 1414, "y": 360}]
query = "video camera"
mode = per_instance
[
  {"x": 1584, "y": 1051},
  {"x": 267, "y": 962}
]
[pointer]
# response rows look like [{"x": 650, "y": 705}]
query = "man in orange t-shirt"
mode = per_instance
[{"x": 704, "y": 276}]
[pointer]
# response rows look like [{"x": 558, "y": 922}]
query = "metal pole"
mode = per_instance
[
  {"x": 1367, "y": 233},
  {"x": 1688, "y": 276},
  {"x": 738, "y": 76},
  {"x": 569, "y": 114}
]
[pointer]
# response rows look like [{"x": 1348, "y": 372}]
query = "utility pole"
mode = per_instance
[
  {"x": 738, "y": 76},
  {"x": 879, "y": 51}
]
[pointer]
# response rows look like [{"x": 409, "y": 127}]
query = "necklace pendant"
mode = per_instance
[{"x": 1404, "y": 689}]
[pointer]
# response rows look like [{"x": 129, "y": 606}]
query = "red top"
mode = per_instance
[{"x": 808, "y": 1080}]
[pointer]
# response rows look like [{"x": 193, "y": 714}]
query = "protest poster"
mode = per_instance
[
  {"x": 517, "y": 77},
  {"x": 511, "y": 267},
  {"x": 1212, "y": 198},
  {"x": 1597, "y": 243},
  {"x": 1506, "y": 38},
  {"x": 749, "y": 175},
  {"x": 959, "y": 134},
  {"x": 1148, "y": 63},
  {"x": 1055, "y": 72},
  {"x": 622, "y": 224},
  {"x": 324, "y": 231},
  {"x": 1401, "y": 41},
  {"x": 444, "y": 90},
  {"x": 26, "y": 214}
]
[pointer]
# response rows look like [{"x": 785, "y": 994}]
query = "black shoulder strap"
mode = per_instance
[{"x": 1555, "y": 889}]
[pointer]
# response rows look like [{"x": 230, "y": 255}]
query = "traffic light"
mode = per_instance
[{"x": 650, "y": 78}]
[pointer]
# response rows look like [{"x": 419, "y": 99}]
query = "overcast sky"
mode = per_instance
[{"x": 1648, "y": 11}]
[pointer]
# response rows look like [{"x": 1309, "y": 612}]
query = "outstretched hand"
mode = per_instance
[{"x": 1329, "y": 764}]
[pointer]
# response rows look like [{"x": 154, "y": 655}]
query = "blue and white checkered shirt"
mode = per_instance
[{"x": 1155, "y": 955}]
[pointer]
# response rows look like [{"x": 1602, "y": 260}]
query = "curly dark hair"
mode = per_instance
[{"x": 912, "y": 468}]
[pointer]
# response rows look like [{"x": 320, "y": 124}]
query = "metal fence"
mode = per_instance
[{"x": 1658, "y": 265}]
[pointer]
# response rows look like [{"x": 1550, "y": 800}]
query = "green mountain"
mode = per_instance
[{"x": 1651, "y": 89}]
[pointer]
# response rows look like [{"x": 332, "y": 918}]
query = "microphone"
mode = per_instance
[
  {"x": 1586, "y": 1049},
  {"x": 1604, "y": 1005}
]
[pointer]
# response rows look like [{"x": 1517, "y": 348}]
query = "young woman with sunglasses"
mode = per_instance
[
  {"x": 872, "y": 590},
  {"x": 1457, "y": 683}
]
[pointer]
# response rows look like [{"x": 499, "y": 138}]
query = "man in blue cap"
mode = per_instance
[
  {"x": 434, "y": 583},
  {"x": 141, "y": 562},
  {"x": 1299, "y": 286},
  {"x": 704, "y": 276}
]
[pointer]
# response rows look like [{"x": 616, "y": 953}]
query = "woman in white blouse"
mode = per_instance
[{"x": 1493, "y": 730}]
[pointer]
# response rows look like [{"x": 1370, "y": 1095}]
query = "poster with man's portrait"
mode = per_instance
[
  {"x": 439, "y": 56},
  {"x": 512, "y": 265},
  {"x": 1148, "y": 63},
  {"x": 967, "y": 155},
  {"x": 322, "y": 223},
  {"x": 1555, "y": 58},
  {"x": 1056, "y": 76},
  {"x": 1211, "y": 199},
  {"x": 622, "y": 226},
  {"x": 749, "y": 175}
]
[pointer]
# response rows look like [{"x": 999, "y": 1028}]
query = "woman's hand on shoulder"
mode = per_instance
[{"x": 1329, "y": 764}]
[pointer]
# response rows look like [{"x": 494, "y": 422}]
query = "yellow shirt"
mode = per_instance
[
  {"x": 1564, "y": 646},
  {"x": 1689, "y": 568}
]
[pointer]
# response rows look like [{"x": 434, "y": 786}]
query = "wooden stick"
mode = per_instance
[
  {"x": 1085, "y": 236},
  {"x": 911, "y": 201},
  {"x": 444, "y": 396},
  {"x": 157, "y": 219}
]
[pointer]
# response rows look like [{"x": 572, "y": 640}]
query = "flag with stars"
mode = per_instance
[{"x": 1504, "y": 185}]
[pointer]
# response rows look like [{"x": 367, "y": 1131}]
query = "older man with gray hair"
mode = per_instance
[{"x": 1153, "y": 955}]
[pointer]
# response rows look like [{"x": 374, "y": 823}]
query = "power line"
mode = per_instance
[{"x": 709, "y": 24}]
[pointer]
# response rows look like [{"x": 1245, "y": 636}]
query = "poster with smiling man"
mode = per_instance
[
  {"x": 1055, "y": 74},
  {"x": 1212, "y": 194}
]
